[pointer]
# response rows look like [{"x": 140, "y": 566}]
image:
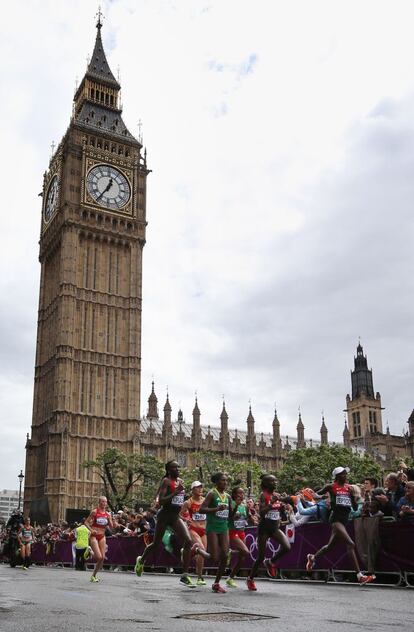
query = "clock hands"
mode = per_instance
[{"x": 108, "y": 186}]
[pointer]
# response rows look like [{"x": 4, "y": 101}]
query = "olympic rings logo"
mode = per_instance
[{"x": 251, "y": 543}]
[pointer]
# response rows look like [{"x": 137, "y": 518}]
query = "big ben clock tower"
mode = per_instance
[{"x": 88, "y": 355}]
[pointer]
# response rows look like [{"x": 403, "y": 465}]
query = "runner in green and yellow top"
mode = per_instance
[
  {"x": 217, "y": 507},
  {"x": 237, "y": 524}
]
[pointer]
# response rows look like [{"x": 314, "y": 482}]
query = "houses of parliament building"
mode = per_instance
[{"x": 88, "y": 354}]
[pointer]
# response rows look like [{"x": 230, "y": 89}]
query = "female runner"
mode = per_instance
[
  {"x": 197, "y": 525},
  {"x": 269, "y": 523},
  {"x": 171, "y": 498},
  {"x": 98, "y": 521},
  {"x": 342, "y": 501},
  {"x": 237, "y": 524},
  {"x": 25, "y": 537},
  {"x": 217, "y": 507}
]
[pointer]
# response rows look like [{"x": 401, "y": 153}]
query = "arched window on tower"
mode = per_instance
[
  {"x": 372, "y": 421},
  {"x": 356, "y": 421}
]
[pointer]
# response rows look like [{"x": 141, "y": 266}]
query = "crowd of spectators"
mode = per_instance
[
  {"x": 392, "y": 502},
  {"x": 127, "y": 524}
]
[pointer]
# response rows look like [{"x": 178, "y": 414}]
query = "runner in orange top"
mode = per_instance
[
  {"x": 197, "y": 525},
  {"x": 98, "y": 521}
]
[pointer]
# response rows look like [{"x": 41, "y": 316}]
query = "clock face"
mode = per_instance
[
  {"x": 108, "y": 187},
  {"x": 51, "y": 198}
]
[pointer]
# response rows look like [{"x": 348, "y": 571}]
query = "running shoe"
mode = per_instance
[
  {"x": 201, "y": 582},
  {"x": 271, "y": 568},
  {"x": 250, "y": 584},
  {"x": 24, "y": 568},
  {"x": 94, "y": 579},
  {"x": 87, "y": 553},
  {"x": 139, "y": 566},
  {"x": 187, "y": 581},
  {"x": 217, "y": 588},
  {"x": 230, "y": 582},
  {"x": 365, "y": 579},
  {"x": 310, "y": 562}
]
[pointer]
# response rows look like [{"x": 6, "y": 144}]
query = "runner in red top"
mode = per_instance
[
  {"x": 269, "y": 527},
  {"x": 171, "y": 496},
  {"x": 342, "y": 501},
  {"x": 197, "y": 525},
  {"x": 98, "y": 521}
]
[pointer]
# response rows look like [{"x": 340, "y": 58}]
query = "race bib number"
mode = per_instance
[
  {"x": 223, "y": 513},
  {"x": 343, "y": 501},
  {"x": 102, "y": 522},
  {"x": 240, "y": 524},
  {"x": 178, "y": 500},
  {"x": 199, "y": 517},
  {"x": 273, "y": 515}
]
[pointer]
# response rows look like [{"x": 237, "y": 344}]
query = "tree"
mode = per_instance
[
  {"x": 312, "y": 467},
  {"x": 409, "y": 462},
  {"x": 122, "y": 474},
  {"x": 209, "y": 462}
]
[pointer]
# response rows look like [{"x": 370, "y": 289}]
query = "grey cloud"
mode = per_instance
[{"x": 347, "y": 272}]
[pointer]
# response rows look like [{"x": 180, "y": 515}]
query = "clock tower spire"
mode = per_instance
[
  {"x": 99, "y": 84},
  {"x": 88, "y": 355}
]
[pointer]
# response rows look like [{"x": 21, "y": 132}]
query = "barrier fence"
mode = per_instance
[{"x": 396, "y": 553}]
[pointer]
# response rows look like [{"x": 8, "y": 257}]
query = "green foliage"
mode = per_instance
[
  {"x": 409, "y": 462},
  {"x": 312, "y": 467},
  {"x": 128, "y": 478},
  {"x": 211, "y": 462},
  {"x": 123, "y": 474}
]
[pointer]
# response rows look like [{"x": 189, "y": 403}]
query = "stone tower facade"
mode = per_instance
[
  {"x": 364, "y": 430},
  {"x": 364, "y": 407},
  {"x": 88, "y": 355},
  {"x": 410, "y": 435}
]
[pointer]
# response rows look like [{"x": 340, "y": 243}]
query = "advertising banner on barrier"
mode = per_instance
[{"x": 396, "y": 554}]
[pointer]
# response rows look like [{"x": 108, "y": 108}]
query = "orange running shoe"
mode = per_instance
[
  {"x": 250, "y": 584},
  {"x": 271, "y": 568}
]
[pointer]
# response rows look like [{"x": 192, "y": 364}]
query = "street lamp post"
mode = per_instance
[{"x": 20, "y": 477}]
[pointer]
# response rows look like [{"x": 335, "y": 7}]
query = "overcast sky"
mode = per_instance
[{"x": 280, "y": 206}]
